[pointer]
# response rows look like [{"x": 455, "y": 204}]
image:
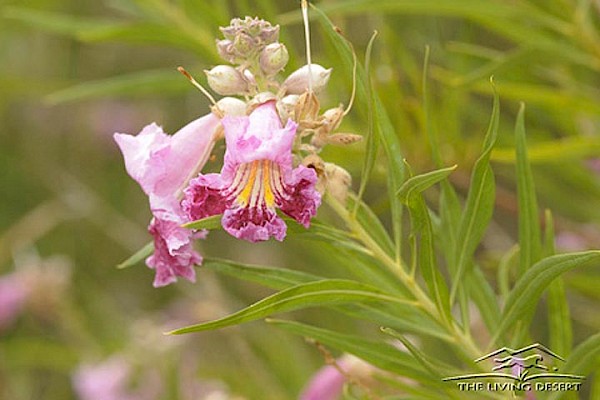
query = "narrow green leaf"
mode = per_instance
[
  {"x": 273, "y": 277},
  {"x": 420, "y": 183},
  {"x": 133, "y": 84},
  {"x": 384, "y": 129},
  {"x": 311, "y": 294},
  {"x": 147, "y": 33},
  {"x": 422, "y": 235},
  {"x": 529, "y": 288},
  {"x": 435, "y": 367},
  {"x": 507, "y": 261},
  {"x": 209, "y": 223},
  {"x": 549, "y": 245},
  {"x": 582, "y": 361},
  {"x": 138, "y": 256},
  {"x": 367, "y": 218},
  {"x": 379, "y": 354},
  {"x": 372, "y": 144},
  {"x": 54, "y": 22},
  {"x": 530, "y": 241},
  {"x": 485, "y": 298},
  {"x": 559, "y": 318},
  {"x": 480, "y": 204},
  {"x": 406, "y": 318},
  {"x": 560, "y": 328}
]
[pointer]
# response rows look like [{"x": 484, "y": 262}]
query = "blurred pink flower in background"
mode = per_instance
[
  {"x": 111, "y": 380},
  {"x": 13, "y": 295},
  {"x": 36, "y": 285},
  {"x": 328, "y": 382}
]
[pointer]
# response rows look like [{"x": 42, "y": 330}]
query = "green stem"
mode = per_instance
[{"x": 463, "y": 340}]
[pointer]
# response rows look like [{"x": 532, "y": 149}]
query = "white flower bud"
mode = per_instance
[
  {"x": 297, "y": 82},
  {"x": 226, "y": 80},
  {"x": 230, "y": 106},
  {"x": 273, "y": 58}
]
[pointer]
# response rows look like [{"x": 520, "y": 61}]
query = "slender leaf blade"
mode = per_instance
[
  {"x": 209, "y": 223},
  {"x": 529, "y": 288},
  {"x": 480, "y": 204},
  {"x": 310, "y": 294},
  {"x": 138, "y": 256},
  {"x": 530, "y": 241}
]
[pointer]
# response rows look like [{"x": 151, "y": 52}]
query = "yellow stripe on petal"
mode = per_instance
[
  {"x": 244, "y": 197},
  {"x": 269, "y": 196}
]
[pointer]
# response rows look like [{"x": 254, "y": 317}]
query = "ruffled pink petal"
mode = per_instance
[
  {"x": 203, "y": 197},
  {"x": 302, "y": 198},
  {"x": 173, "y": 252},
  {"x": 259, "y": 136},
  {"x": 160, "y": 163},
  {"x": 253, "y": 224}
]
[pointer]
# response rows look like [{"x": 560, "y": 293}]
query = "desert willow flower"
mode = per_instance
[
  {"x": 163, "y": 165},
  {"x": 257, "y": 177}
]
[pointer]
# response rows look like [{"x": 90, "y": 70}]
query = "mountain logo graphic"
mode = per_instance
[{"x": 521, "y": 365}]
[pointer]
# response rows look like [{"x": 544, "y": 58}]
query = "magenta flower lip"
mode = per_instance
[{"x": 257, "y": 177}]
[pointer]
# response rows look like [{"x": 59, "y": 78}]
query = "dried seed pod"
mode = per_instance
[
  {"x": 226, "y": 80},
  {"x": 297, "y": 82},
  {"x": 307, "y": 108},
  {"x": 332, "y": 118},
  {"x": 338, "y": 182},
  {"x": 342, "y": 138}
]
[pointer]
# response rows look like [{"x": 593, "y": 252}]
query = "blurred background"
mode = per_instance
[{"x": 73, "y": 72}]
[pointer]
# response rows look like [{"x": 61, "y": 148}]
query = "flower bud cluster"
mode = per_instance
[{"x": 256, "y": 59}]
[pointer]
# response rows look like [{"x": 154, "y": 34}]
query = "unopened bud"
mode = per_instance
[
  {"x": 230, "y": 106},
  {"x": 244, "y": 46},
  {"x": 225, "y": 50},
  {"x": 259, "y": 99},
  {"x": 226, "y": 80},
  {"x": 297, "y": 82},
  {"x": 273, "y": 58}
]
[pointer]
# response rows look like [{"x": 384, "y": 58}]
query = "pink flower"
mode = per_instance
[
  {"x": 105, "y": 381},
  {"x": 163, "y": 165},
  {"x": 326, "y": 384},
  {"x": 257, "y": 177},
  {"x": 111, "y": 380},
  {"x": 13, "y": 296}
]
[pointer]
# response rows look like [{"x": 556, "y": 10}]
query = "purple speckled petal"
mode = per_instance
[
  {"x": 203, "y": 197},
  {"x": 173, "y": 252},
  {"x": 303, "y": 199},
  {"x": 253, "y": 224}
]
